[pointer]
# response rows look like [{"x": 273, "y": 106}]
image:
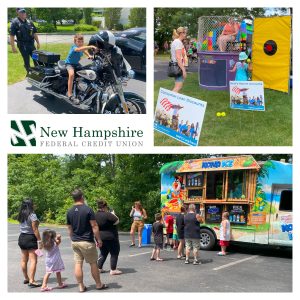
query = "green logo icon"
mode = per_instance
[{"x": 23, "y": 133}]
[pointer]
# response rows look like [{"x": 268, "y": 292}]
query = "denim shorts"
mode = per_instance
[{"x": 179, "y": 79}]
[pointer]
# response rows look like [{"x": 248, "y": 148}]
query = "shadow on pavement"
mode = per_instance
[
  {"x": 56, "y": 106},
  {"x": 261, "y": 250},
  {"x": 127, "y": 270}
]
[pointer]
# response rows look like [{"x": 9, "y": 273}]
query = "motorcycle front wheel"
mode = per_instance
[{"x": 136, "y": 104}]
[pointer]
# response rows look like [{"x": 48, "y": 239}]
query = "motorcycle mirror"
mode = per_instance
[{"x": 131, "y": 74}]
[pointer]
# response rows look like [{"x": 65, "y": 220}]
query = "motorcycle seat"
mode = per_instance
[{"x": 62, "y": 65}]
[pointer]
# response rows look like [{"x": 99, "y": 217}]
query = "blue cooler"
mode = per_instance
[{"x": 146, "y": 234}]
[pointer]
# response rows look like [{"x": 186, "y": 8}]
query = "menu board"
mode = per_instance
[
  {"x": 238, "y": 214},
  {"x": 213, "y": 213},
  {"x": 194, "y": 179}
]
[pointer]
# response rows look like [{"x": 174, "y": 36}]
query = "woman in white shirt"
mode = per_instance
[{"x": 178, "y": 54}]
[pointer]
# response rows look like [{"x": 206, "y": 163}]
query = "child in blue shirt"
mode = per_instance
[
  {"x": 241, "y": 68},
  {"x": 73, "y": 59}
]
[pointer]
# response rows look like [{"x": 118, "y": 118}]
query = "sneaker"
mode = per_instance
[
  {"x": 187, "y": 262},
  {"x": 196, "y": 262},
  {"x": 74, "y": 100}
]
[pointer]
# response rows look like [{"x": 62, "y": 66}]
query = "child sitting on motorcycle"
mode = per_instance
[{"x": 72, "y": 61}]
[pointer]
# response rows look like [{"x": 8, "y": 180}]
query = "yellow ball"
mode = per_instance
[
  {"x": 218, "y": 114},
  {"x": 248, "y": 60},
  {"x": 223, "y": 114}
]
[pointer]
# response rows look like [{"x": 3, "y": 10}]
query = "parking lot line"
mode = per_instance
[
  {"x": 235, "y": 262},
  {"x": 142, "y": 253}
]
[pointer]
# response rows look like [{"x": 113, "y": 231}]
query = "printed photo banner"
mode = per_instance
[
  {"x": 247, "y": 95},
  {"x": 179, "y": 116}
]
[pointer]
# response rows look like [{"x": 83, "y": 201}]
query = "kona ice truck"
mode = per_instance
[{"x": 257, "y": 195}]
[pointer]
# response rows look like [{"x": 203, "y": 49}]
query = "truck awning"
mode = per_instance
[{"x": 244, "y": 162}]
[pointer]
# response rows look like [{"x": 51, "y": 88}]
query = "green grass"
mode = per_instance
[
  {"x": 12, "y": 221},
  {"x": 65, "y": 28},
  {"x": 16, "y": 70},
  {"x": 162, "y": 56},
  {"x": 239, "y": 128}
]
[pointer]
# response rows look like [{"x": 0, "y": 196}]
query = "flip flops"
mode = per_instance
[
  {"x": 34, "y": 284},
  {"x": 64, "y": 285},
  {"x": 103, "y": 287},
  {"x": 84, "y": 290},
  {"x": 115, "y": 272},
  {"x": 46, "y": 289}
]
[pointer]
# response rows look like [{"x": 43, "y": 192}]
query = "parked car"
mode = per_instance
[{"x": 133, "y": 45}]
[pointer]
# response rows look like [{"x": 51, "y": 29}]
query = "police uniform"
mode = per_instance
[{"x": 24, "y": 31}]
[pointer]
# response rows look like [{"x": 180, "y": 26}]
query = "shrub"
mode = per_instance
[
  {"x": 119, "y": 27},
  {"x": 85, "y": 27},
  {"x": 97, "y": 24},
  {"x": 46, "y": 28}
]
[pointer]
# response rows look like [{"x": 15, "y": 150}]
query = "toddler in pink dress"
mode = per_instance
[{"x": 53, "y": 260}]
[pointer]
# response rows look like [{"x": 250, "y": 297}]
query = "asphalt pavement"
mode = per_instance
[
  {"x": 243, "y": 270},
  {"x": 161, "y": 68},
  {"x": 26, "y": 99}
]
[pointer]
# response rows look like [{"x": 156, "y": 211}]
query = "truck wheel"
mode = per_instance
[{"x": 207, "y": 239}]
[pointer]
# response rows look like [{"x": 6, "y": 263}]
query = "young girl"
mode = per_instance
[
  {"x": 224, "y": 233},
  {"x": 53, "y": 261},
  {"x": 241, "y": 68}
]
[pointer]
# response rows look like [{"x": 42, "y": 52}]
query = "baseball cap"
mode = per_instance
[{"x": 21, "y": 10}]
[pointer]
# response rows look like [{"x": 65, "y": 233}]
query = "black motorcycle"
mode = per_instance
[{"x": 98, "y": 86}]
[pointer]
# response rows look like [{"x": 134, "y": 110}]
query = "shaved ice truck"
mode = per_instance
[{"x": 257, "y": 195}]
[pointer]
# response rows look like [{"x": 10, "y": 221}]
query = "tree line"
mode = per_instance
[
  {"x": 137, "y": 16},
  {"x": 167, "y": 19},
  {"x": 119, "y": 179}
]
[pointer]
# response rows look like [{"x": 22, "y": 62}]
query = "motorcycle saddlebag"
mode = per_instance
[
  {"x": 39, "y": 72},
  {"x": 45, "y": 57}
]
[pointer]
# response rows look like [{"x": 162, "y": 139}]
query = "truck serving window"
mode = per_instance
[{"x": 286, "y": 200}]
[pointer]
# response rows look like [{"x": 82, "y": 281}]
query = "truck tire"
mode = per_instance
[{"x": 207, "y": 239}]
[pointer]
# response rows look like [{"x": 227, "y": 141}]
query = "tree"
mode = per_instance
[
  {"x": 75, "y": 14},
  {"x": 52, "y": 14},
  {"x": 137, "y": 17},
  {"x": 112, "y": 17},
  {"x": 168, "y": 19},
  {"x": 88, "y": 15}
]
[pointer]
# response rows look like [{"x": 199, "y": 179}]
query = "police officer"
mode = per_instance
[{"x": 26, "y": 34}]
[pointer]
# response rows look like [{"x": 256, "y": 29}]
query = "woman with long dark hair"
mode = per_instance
[{"x": 29, "y": 241}]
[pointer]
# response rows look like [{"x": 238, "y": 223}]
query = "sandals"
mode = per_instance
[
  {"x": 221, "y": 254},
  {"x": 152, "y": 258},
  {"x": 159, "y": 259},
  {"x": 103, "y": 287},
  {"x": 46, "y": 289},
  {"x": 84, "y": 290},
  {"x": 62, "y": 286},
  {"x": 132, "y": 245},
  {"x": 34, "y": 284},
  {"x": 115, "y": 272},
  {"x": 26, "y": 281}
]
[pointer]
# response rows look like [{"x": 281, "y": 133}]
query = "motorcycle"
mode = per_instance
[{"x": 98, "y": 86}]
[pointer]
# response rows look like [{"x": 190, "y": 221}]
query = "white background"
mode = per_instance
[{"x": 146, "y": 123}]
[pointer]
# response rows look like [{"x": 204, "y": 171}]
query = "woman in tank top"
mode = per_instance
[{"x": 138, "y": 214}]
